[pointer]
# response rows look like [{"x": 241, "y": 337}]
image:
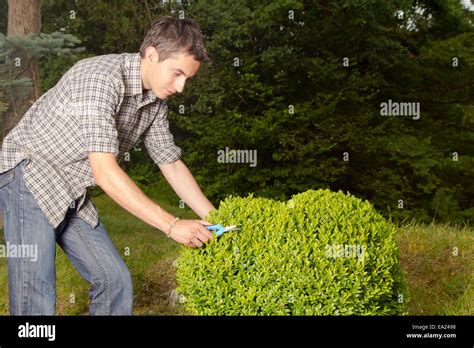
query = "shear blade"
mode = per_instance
[{"x": 231, "y": 228}]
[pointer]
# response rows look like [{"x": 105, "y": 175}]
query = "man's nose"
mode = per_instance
[{"x": 179, "y": 85}]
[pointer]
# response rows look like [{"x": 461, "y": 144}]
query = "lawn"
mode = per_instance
[{"x": 438, "y": 260}]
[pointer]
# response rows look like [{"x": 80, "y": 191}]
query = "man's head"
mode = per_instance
[{"x": 171, "y": 52}]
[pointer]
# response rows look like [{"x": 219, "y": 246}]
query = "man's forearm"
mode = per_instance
[
  {"x": 118, "y": 185},
  {"x": 186, "y": 187}
]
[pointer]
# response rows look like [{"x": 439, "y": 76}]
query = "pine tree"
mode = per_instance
[{"x": 17, "y": 55}]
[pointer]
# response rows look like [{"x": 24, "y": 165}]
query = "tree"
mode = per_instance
[
  {"x": 302, "y": 83},
  {"x": 19, "y": 55},
  {"x": 24, "y": 17}
]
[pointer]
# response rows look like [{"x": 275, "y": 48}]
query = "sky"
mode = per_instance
[{"x": 468, "y": 4}]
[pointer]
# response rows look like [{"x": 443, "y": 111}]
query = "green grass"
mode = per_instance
[
  {"x": 440, "y": 282},
  {"x": 439, "y": 262}
]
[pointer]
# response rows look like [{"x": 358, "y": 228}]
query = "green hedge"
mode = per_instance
[{"x": 320, "y": 253}]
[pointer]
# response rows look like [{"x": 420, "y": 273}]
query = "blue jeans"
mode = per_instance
[{"x": 32, "y": 278}]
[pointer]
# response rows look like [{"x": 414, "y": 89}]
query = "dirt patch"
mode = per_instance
[{"x": 154, "y": 291}]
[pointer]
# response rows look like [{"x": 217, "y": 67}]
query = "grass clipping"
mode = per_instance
[{"x": 320, "y": 253}]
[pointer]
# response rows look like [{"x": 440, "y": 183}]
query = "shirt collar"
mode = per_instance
[{"x": 133, "y": 80}]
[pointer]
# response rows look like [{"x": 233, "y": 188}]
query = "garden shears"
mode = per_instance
[{"x": 219, "y": 230}]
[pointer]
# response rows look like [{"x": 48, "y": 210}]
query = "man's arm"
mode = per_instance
[
  {"x": 186, "y": 187},
  {"x": 118, "y": 185}
]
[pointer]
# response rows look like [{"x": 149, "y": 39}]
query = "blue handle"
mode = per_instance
[{"x": 217, "y": 228}]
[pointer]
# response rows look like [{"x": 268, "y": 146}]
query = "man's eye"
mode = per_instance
[{"x": 177, "y": 74}]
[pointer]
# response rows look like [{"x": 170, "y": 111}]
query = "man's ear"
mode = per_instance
[
  {"x": 151, "y": 53},
  {"x": 154, "y": 55}
]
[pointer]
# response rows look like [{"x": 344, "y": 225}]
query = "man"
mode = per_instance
[{"x": 70, "y": 139}]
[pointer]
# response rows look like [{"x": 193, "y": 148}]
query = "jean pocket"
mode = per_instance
[{"x": 6, "y": 178}]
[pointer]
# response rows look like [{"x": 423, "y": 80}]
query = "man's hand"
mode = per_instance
[{"x": 191, "y": 233}]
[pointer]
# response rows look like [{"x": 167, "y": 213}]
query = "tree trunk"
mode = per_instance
[{"x": 24, "y": 17}]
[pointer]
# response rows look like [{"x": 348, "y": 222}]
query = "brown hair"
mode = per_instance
[{"x": 171, "y": 35}]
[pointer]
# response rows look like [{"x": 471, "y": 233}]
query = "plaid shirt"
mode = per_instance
[{"x": 97, "y": 106}]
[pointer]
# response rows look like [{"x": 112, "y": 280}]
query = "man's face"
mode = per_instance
[{"x": 168, "y": 76}]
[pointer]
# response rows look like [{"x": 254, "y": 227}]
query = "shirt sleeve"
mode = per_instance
[
  {"x": 159, "y": 140},
  {"x": 96, "y": 103}
]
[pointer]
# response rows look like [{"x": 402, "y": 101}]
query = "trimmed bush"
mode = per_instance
[{"x": 320, "y": 253}]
